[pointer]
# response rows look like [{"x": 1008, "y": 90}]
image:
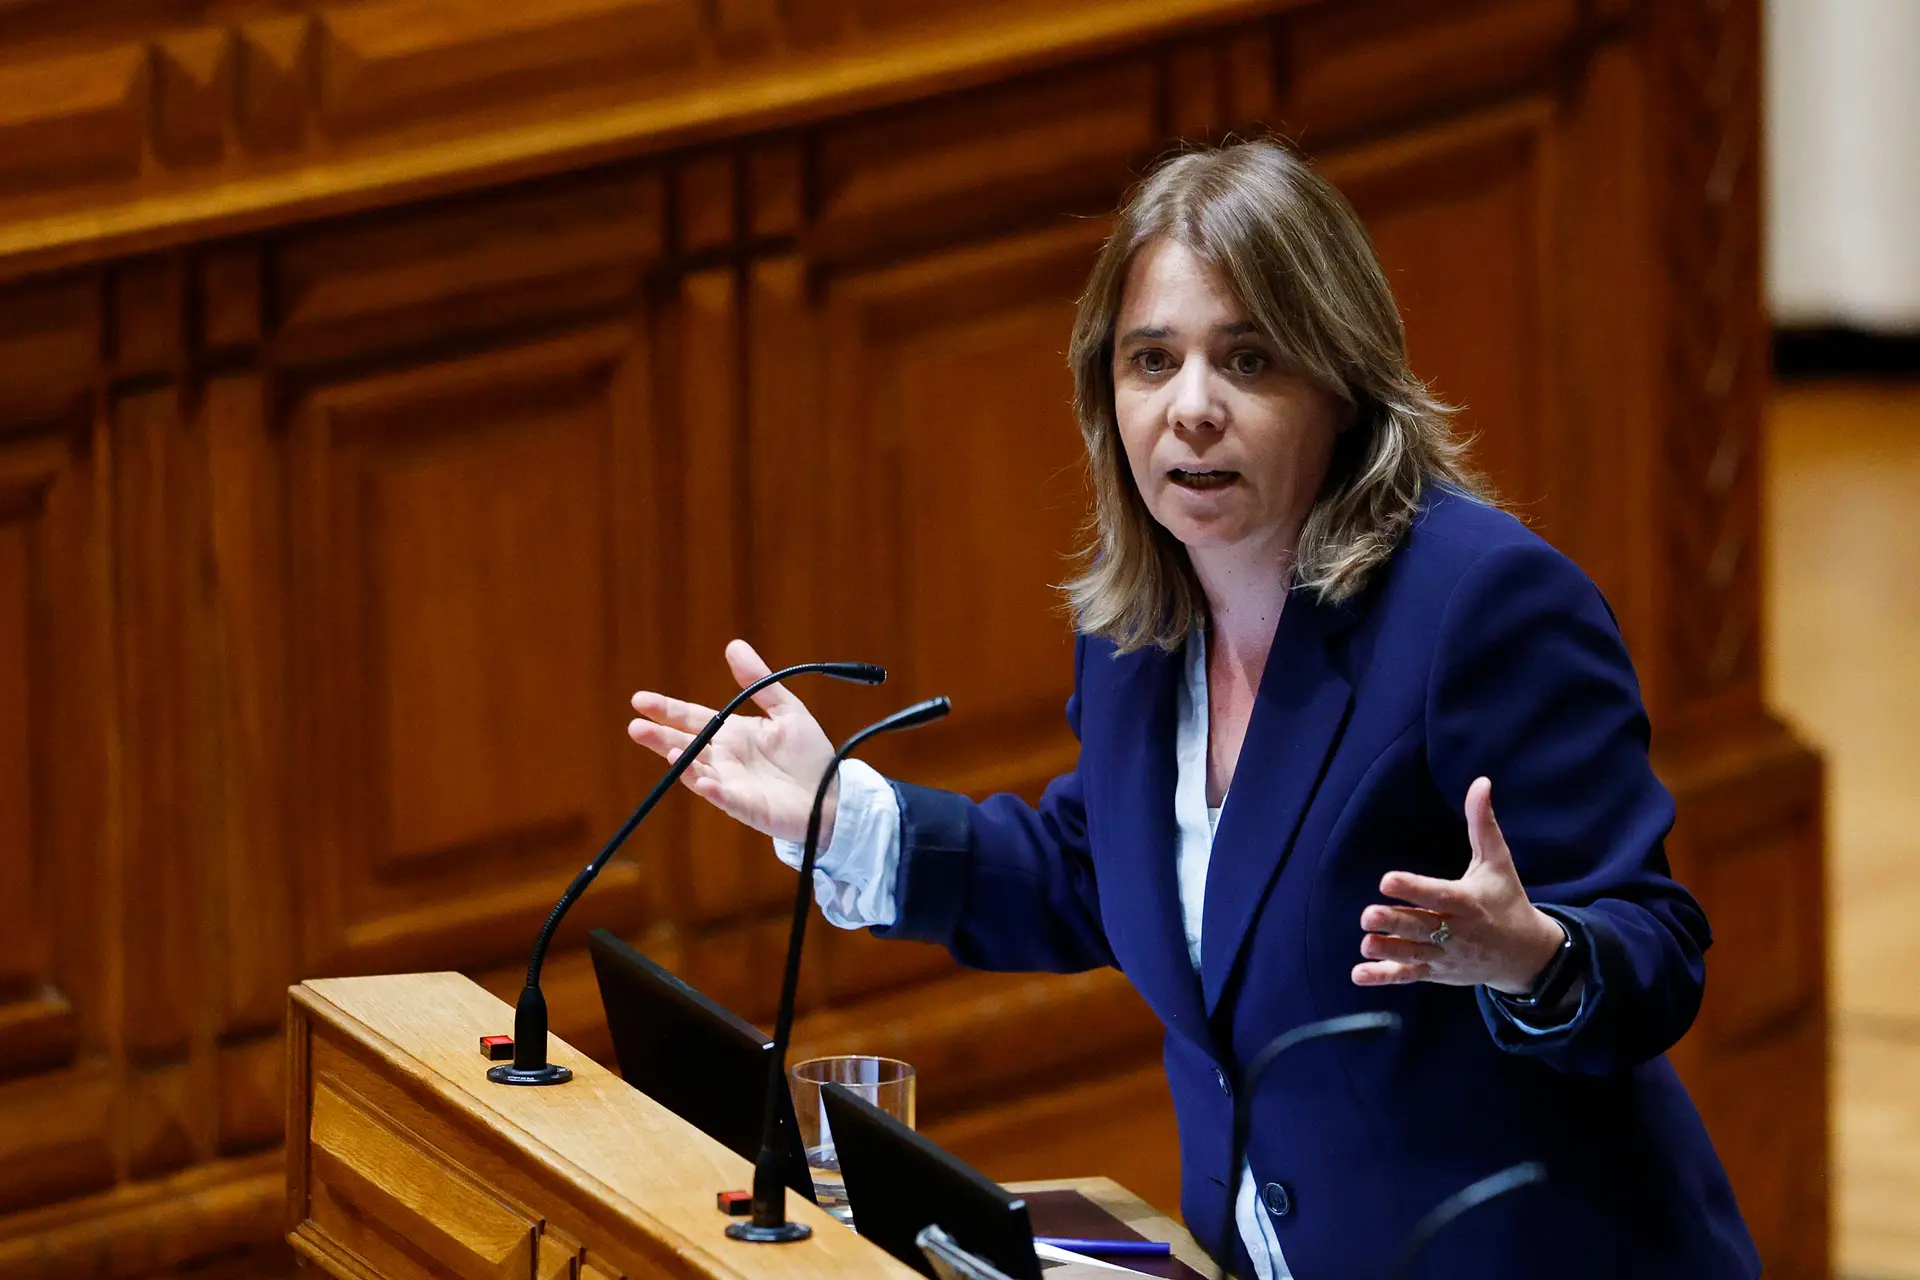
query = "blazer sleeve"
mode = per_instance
[
  {"x": 1000, "y": 883},
  {"x": 1532, "y": 688}
]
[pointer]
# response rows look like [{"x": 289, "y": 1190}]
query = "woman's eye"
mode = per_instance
[
  {"x": 1248, "y": 364},
  {"x": 1152, "y": 361}
]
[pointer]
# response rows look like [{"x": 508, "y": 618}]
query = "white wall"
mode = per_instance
[{"x": 1843, "y": 163}]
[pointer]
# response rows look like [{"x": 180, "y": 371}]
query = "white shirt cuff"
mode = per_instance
[{"x": 855, "y": 875}]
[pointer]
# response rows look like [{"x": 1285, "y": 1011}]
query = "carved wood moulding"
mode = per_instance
[
  {"x": 1716, "y": 352},
  {"x": 260, "y": 114},
  {"x": 207, "y": 121}
]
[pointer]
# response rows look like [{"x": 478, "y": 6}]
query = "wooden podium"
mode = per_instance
[{"x": 405, "y": 1163}]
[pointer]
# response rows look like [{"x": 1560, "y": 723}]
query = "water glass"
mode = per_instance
[{"x": 887, "y": 1083}]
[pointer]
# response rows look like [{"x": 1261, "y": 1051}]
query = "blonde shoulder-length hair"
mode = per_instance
[{"x": 1296, "y": 257}]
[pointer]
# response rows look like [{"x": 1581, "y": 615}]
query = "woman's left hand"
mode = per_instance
[{"x": 1493, "y": 935}]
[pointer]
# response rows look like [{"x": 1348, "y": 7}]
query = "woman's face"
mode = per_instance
[{"x": 1226, "y": 447}]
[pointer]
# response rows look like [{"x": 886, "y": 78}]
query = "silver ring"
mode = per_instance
[{"x": 1441, "y": 936}]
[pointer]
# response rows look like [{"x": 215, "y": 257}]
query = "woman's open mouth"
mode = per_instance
[{"x": 1202, "y": 479}]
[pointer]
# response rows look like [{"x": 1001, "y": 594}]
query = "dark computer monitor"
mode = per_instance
[
  {"x": 695, "y": 1057},
  {"x": 899, "y": 1182}
]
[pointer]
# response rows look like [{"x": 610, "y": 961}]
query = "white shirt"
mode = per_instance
[{"x": 855, "y": 875}]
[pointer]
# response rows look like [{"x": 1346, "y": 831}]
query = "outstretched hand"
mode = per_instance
[
  {"x": 1478, "y": 930},
  {"x": 761, "y": 770}
]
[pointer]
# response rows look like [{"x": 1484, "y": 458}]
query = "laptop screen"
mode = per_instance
[
  {"x": 898, "y": 1182},
  {"x": 693, "y": 1056}
]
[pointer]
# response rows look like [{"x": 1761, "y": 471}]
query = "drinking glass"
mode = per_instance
[{"x": 887, "y": 1083}]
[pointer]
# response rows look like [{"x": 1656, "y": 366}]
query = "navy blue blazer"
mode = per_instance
[{"x": 1478, "y": 649}]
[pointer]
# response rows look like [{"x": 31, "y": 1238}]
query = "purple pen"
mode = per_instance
[{"x": 1109, "y": 1248}]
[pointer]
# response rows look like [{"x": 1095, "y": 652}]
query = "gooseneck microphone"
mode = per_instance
[
  {"x": 1352, "y": 1024},
  {"x": 769, "y": 1224},
  {"x": 530, "y": 1065},
  {"x": 1468, "y": 1198}
]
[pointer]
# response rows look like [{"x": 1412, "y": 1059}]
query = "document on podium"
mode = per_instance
[
  {"x": 1093, "y": 1211},
  {"x": 1063, "y": 1264},
  {"x": 951, "y": 1262}
]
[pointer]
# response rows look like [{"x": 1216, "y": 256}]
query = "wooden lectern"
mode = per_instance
[{"x": 405, "y": 1163}]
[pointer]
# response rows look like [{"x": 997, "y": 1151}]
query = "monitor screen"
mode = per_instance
[
  {"x": 693, "y": 1056},
  {"x": 899, "y": 1182}
]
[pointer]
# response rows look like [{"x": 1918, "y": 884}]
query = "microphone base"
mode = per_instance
[
  {"x": 783, "y": 1233},
  {"x": 507, "y": 1073}
]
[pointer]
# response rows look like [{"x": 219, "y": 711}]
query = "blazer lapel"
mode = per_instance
[
  {"x": 1298, "y": 715},
  {"x": 1141, "y": 774}
]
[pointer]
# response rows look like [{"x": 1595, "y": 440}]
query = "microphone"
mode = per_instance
[
  {"x": 769, "y": 1224},
  {"x": 949, "y": 1261},
  {"x": 1468, "y": 1198},
  {"x": 530, "y": 1065},
  {"x": 1352, "y": 1024}
]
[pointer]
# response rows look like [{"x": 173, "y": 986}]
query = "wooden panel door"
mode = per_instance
[
  {"x": 465, "y": 540},
  {"x": 437, "y": 476},
  {"x": 923, "y": 425},
  {"x": 961, "y": 474},
  {"x": 60, "y": 1123},
  {"x": 955, "y": 500}
]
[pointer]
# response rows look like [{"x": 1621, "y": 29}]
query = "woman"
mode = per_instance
[{"x": 1307, "y": 654}]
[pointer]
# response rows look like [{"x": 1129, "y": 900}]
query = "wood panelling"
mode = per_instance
[
  {"x": 732, "y": 957},
  {"x": 559, "y": 1256},
  {"x": 379, "y": 1188},
  {"x": 54, "y": 761},
  {"x": 382, "y": 101},
  {"x": 1715, "y": 362},
  {"x": 72, "y": 119},
  {"x": 1748, "y": 841},
  {"x": 156, "y": 506},
  {"x": 1463, "y": 217},
  {"x": 374, "y": 283},
  {"x": 193, "y": 78},
  {"x": 270, "y": 97},
  {"x": 712, "y": 543},
  {"x": 1603, "y": 371},
  {"x": 146, "y": 317},
  {"x": 164, "y": 1119},
  {"x": 1359, "y": 66},
  {"x": 24, "y": 947},
  {"x": 251, "y": 1094},
  {"x": 37, "y": 1027},
  {"x": 1121, "y": 1124},
  {"x": 776, "y": 188},
  {"x": 940, "y": 1026},
  {"x": 57, "y": 1136},
  {"x": 1750, "y": 831},
  {"x": 49, "y": 348},
  {"x": 389, "y": 389},
  {"x": 381, "y": 64},
  {"x": 250, "y": 898},
  {"x": 229, "y": 298},
  {"x": 459, "y": 674},
  {"x": 945, "y": 379},
  {"x": 156, "y": 1226},
  {"x": 706, "y": 199},
  {"x": 1027, "y": 152}
]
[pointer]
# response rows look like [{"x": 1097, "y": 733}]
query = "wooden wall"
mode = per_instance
[{"x": 387, "y": 389}]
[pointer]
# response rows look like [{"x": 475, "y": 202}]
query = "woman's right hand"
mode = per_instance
[{"x": 761, "y": 770}]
